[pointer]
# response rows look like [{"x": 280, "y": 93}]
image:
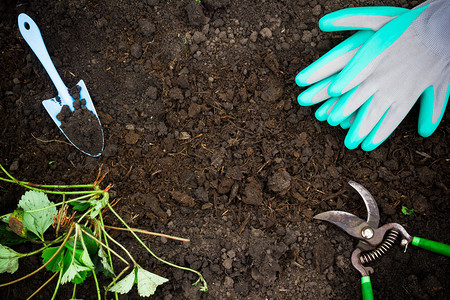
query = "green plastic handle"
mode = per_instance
[
  {"x": 436, "y": 247},
  {"x": 366, "y": 286}
]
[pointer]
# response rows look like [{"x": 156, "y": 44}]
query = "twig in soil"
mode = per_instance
[
  {"x": 241, "y": 229},
  {"x": 50, "y": 141},
  {"x": 150, "y": 233},
  {"x": 263, "y": 166},
  {"x": 332, "y": 195}
]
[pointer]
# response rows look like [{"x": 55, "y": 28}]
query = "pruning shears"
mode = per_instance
[{"x": 374, "y": 241}]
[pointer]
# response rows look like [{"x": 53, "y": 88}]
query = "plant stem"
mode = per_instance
[
  {"x": 57, "y": 284},
  {"x": 59, "y": 203},
  {"x": 205, "y": 287},
  {"x": 96, "y": 285},
  {"x": 149, "y": 232},
  {"x": 122, "y": 247},
  {"x": 117, "y": 278},
  {"x": 109, "y": 253},
  {"x": 109, "y": 249},
  {"x": 32, "y": 186},
  {"x": 44, "y": 265},
  {"x": 74, "y": 290},
  {"x": 42, "y": 286},
  {"x": 43, "y": 248}
]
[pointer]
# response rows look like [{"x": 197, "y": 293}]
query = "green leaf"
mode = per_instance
[
  {"x": 124, "y": 285},
  {"x": 81, "y": 271},
  {"x": 9, "y": 259},
  {"x": 15, "y": 222},
  {"x": 91, "y": 244},
  {"x": 407, "y": 211},
  {"x": 80, "y": 205},
  {"x": 37, "y": 221},
  {"x": 75, "y": 273},
  {"x": 97, "y": 205},
  {"x": 56, "y": 264},
  {"x": 147, "y": 282},
  {"x": 9, "y": 238},
  {"x": 6, "y": 218},
  {"x": 104, "y": 261}
]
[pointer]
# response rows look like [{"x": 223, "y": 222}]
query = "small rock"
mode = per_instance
[
  {"x": 199, "y": 37},
  {"x": 266, "y": 33},
  {"x": 317, "y": 10},
  {"x": 195, "y": 14},
  {"x": 132, "y": 138},
  {"x": 184, "y": 136},
  {"x": 184, "y": 199},
  {"x": 307, "y": 36},
  {"x": 253, "y": 193},
  {"x": 272, "y": 94},
  {"x": 194, "y": 109},
  {"x": 227, "y": 263},
  {"x": 280, "y": 181},
  {"x": 253, "y": 36},
  {"x": 14, "y": 166},
  {"x": 228, "y": 282},
  {"x": 176, "y": 94},
  {"x": 110, "y": 150},
  {"x": 147, "y": 27},
  {"x": 152, "y": 92},
  {"x": 136, "y": 50}
]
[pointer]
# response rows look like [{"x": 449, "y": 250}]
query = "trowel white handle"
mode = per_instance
[{"x": 32, "y": 35}]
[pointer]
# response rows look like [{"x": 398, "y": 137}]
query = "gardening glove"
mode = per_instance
[{"x": 403, "y": 60}]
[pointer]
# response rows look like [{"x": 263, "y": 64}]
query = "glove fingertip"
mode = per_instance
[
  {"x": 324, "y": 110},
  {"x": 335, "y": 89},
  {"x": 368, "y": 145},
  {"x": 305, "y": 99},
  {"x": 350, "y": 142},
  {"x": 302, "y": 78}
]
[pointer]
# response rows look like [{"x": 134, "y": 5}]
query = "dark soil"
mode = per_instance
[
  {"x": 204, "y": 140},
  {"x": 83, "y": 129}
]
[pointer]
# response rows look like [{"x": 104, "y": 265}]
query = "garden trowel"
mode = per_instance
[{"x": 72, "y": 110}]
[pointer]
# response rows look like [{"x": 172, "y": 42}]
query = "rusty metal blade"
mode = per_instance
[
  {"x": 373, "y": 214},
  {"x": 344, "y": 220}
]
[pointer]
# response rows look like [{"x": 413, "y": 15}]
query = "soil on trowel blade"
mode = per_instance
[{"x": 81, "y": 126}]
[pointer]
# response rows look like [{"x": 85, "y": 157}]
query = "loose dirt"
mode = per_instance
[{"x": 204, "y": 140}]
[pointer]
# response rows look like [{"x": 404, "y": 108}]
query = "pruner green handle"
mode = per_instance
[
  {"x": 436, "y": 247},
  {"x": 366, "y": 286}
]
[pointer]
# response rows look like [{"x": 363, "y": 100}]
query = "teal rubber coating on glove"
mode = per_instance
[
  {"x": 353, "y": 139},
  {"x": 324, "y": 110},
  {"x": 384, "y": 38},
  {"x": 348, "y": 122},
  {"x": 337, "y": 115},
  {"x": 371, "y": 143},
  {"x": 427, "y": 124},
  {"x": 316, "y": 93},
  {"x": 334, "y": 60},
  {"x": 359, "y": 18}
]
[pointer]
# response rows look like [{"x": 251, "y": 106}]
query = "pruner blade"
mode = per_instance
[
  {"x": 373, "y": 214},
  {"x": 344, "y": 220}
]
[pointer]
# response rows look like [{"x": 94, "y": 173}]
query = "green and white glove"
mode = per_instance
[{"x": 373, "y": 79}]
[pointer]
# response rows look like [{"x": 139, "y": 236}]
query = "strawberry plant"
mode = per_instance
[{"x": 75, "y": 244}]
